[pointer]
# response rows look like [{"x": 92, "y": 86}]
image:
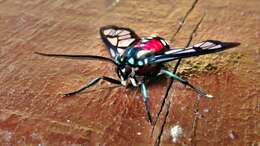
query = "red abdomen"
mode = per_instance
[{"x": 154, "y": 44}]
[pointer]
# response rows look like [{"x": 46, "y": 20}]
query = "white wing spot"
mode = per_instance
[
  {"x": 198, "y": 45},
  {"x": 216, "y": 47},
  {"x": 124, "y": 37},
  {"x": 206, "y": 45},
  {"x": 113, "y": 41},
  {"x": 118, "y": 31},
  {"x": 124, "y": 32},
  {"x": 112, "y": 32},
  {"x": 125, "y": 43},
  {"x": 107, "y": 31}
]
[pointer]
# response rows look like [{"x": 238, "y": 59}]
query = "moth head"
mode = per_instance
[{"x": 124, "y": 72}]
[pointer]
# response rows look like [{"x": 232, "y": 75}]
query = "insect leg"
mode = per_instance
[
  {"x": 185, "y": 82},
  {"x": 145, "y": 96},
  {"x": 94, "y": 81}
]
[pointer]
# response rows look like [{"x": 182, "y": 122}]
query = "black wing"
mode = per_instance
[
  {"x": 205, "y": 47},
  {"x": 117, "y": 39}
]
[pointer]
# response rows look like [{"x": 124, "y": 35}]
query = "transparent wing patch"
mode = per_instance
[
  {"x": 209, "y": 44},
  {"x": 117, "y": 39}
]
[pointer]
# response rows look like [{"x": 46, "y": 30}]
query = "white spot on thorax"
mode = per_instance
[
  {"x": 141, "y": 53},
  {"x": 145, "y": 61}
]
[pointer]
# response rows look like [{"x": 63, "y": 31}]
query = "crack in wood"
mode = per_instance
[
  {"x": 195, "y": 30},
  {"x": 177, "y": 64},
  {"x": 195, "y": 121},
  {"x": 163, "y": 103},
  {"x": 196, "y": 106},
  {"x": 158, "y": 140},
  {"x": 183, "y": 20},
  {"x": 258, "y": 104}
]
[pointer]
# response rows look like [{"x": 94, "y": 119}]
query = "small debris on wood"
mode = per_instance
[
  {"x": 176, "y": 132},
  {"x": 232, "y": 135},
  {"x": 206, "y": 110}
]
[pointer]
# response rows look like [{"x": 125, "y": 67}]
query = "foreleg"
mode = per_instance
[{"x": 93, "y": 82}]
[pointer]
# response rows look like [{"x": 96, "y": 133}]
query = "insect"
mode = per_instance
[{"x": 138, "y": 59}]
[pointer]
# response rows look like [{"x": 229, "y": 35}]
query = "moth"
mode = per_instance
[{"x": 139, "y": 59}]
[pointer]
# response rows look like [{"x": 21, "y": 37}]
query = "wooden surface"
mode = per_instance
[{"x": 33, "y": 112}]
